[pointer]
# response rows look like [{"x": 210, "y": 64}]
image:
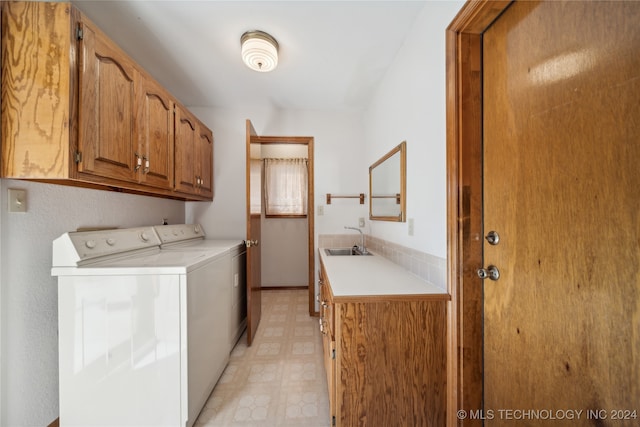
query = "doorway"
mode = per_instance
[
  {"x": 300, "y": 228},
  {"x": 542, "y": 148}
]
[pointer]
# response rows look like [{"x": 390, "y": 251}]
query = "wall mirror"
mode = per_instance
[{"x": 387, "y": 186}]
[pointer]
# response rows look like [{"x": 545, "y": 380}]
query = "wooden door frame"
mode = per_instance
[
  {"x": 464, "y": 205},
  {"x": 308, "y": 141}
]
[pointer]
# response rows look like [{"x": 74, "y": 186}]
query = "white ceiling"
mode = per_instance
[{"x": 333, "y": 54}]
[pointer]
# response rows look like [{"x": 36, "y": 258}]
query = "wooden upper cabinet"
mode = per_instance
[
  {"x": 193, "y": 155},
  {"x": 155, "y": 135},
  {"x": 36, "y": 90},
  {"x": 204, "y": 177},
  {"x": 107, "y": 140},
  {"x": 185, "y": 146},
  {"x": 77, "y": 110}
]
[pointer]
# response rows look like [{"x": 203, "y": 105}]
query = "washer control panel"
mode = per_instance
[{"x": 73, "y": 248}]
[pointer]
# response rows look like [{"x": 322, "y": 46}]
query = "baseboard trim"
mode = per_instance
[{"x": 55, "y": 423}]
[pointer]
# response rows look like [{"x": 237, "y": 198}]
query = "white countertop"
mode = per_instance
[{"x": 374, "y": 276}]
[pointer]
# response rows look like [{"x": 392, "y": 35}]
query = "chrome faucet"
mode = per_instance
[{"x": 361, "y": 248}]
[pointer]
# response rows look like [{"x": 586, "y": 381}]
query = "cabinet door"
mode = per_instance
[
  {"x": 185, "y": 145},
  {"x": 36, "y": 84},
  {"x": 155, "y": 124},
  {"x": 106, "y": 134},
  {"x": 205, "y": 162},
  {"x": 328, "y": 339},
  {"x": 329, "y": 348}
]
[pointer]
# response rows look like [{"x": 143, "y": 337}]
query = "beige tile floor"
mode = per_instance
[{"x": 280, "y": 379}]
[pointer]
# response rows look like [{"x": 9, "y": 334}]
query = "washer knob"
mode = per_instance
[
  {"x": 111, "y": 241},
  {"x": 90, "y": 244},
  {"x": 144, "y": 237}
]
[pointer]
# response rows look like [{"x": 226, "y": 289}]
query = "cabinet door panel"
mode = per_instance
[
  {"x": 185, "y": 144},
  {"x": 155, "y": 121},
  {"x": 107, "y": 138},
  {"x": 205, "y": 162},
  {"x": 35, "y": 90},
  {"x": 329, "y": 347}
]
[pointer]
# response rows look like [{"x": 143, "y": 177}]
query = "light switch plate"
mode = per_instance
[
  {"x": 360, "y": 222},
  {"x": 410, "y": 221},
  {"x": 320, "y": 210},
  {"x": 17, "y": 200}
]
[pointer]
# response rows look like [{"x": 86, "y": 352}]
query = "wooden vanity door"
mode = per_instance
[
  {"x": 562, "y": 189},
  {"x": 107, "y": 141}
]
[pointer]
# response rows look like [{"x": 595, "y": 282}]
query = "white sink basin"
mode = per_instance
[{"x": 343, "y": 252}]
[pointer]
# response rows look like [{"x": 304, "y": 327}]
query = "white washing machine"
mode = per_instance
[
  {"x": 143, "y": 332},
  {"x": 190, "y": 237}
]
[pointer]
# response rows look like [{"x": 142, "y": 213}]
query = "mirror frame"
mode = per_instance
[{"x": 401, "y": 196}]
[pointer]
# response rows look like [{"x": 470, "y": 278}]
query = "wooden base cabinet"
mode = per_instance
[
  {"x": 77, "y": 110},
  {"x": 385, "y": 359},
  {"x": 328, "y": 339}
]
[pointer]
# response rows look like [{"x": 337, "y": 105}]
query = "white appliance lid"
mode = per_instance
[{"x": 75, "y": 248}]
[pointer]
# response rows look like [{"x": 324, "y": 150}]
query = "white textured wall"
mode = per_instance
[
  {"x": 410, "y": 105},
  {"x": 28, "y": 293}
]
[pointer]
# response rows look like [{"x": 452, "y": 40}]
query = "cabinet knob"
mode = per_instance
[{"x": 322, "y": 329}]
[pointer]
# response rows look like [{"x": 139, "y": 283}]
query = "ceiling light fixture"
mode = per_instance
[{"x": 259, "y": 51}]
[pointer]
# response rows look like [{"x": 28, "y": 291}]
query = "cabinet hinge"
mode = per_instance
[
  {"x": 79, "y": 33},
  {"x": 78, "y": 156},
  {"x": 333, "y": 353},
  {"x": 333, "y": 420}
]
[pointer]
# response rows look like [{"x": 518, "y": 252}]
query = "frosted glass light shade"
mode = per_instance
[{"x": 259, "y": 51}]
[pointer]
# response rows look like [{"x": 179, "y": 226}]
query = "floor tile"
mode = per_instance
[{"x": 279, "y": 380}]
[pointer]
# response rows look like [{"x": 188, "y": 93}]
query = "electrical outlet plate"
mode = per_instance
[{"x": 17, "y": 200}]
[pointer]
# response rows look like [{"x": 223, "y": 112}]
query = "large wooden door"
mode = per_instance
[
  {"x": 254, "y": 213},
  {"x": 562, "y": 190}
]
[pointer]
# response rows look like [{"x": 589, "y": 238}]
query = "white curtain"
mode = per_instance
[{"x": 285, "y": 185}]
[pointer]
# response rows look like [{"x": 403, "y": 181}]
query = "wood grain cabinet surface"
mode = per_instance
[
  {"x": 385, "y": 359},
  {"x": 193, "y": 155},
  {"x": 77, "y": 110}
]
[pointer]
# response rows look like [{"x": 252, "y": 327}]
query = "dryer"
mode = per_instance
[
  {"x": 181, "y": 237},
  {"x": 143, "y": 332}
]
